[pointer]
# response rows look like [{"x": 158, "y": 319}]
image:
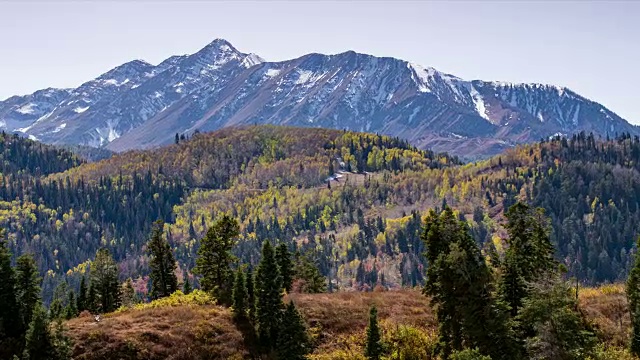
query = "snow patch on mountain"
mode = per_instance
[{"x": 27, "y": 109}]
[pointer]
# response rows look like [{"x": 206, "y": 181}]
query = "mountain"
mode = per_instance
[{"x": 139, "y": 105}]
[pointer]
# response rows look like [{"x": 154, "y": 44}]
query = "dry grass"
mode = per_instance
[{"x": 337, "y": 322}]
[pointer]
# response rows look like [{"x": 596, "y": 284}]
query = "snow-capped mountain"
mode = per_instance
[{"x": 138, "y": 105}]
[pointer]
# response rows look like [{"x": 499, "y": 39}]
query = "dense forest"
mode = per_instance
[{"x": 353, "y": 203}]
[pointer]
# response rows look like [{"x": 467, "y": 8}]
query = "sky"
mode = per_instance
[{"x": 588, "y": 46}]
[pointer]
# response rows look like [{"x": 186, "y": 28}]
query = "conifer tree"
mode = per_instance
[
  {"x": 81, "y": 303},
  {"x": 186, "y": 286},
  {"x": 251, "y": 298},
  {"x": 268, "y": 298},
  {"x": 62, "y": 344},
  {"x": 293, "y": 341},
  {"x": 71, "y": 310},
  {"x": 239, "y": 295},
  {"x": 27, "y": 287},
  {"x": 285, "y": 266},
  {"x": 128, "y": 293},
  {"x": 373, "y": 348},
  {"x": 215, "y": 258},
  {"x": 633, "y": 297},
  {"x": 104, "y": 278},
  {"x": 38, "y": 342},
  {"x": 11, "y": 327},
  {"x": 307, "y": 273},
  {"x": 162, "y": 264},
  {"x": 92, "y": 299}
]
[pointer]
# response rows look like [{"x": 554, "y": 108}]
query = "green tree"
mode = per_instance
[
  {"x": 251, "y": 297},
  {"x": 81, "y": 303},
  {"x": 560, "y": 332},
  {"x": 71, "y": 310},
  {"x": 293, "y": 341},
  {"x": 62, "y": 344},
  {"x": 214, "y": 258},
  {"x": 128, "y": 293},
  {"x": 374, "y": 348},
  {"x": 307, "y": 276},
  {"x": 469, "y": 354},
  {"x": 529, "y": 255},
  {"x": 92, "y": 299},
  {"x": 10, "y": 321},
  {"x": 285, "y": 265},
  {"x": 104, "y": 279},
  {"x": 633, "y": 297},
  {"x": 239, "y": 295},
  {"x": 186, "y": 286},
  {"x": 27, "y": 286},
  {"x": 460, "y": 285},
  {"x": 38, "y": 342},
  {"x": 162, "y": 263},
  {"x": 268, "y": 298}
]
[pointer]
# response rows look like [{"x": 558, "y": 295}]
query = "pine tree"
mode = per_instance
[
  {"x": 239, "y": 295},
  {"x": 308, "y": 276},
  {"x": 268, "y": 298},
  {"x": 186, "y": 286},
  {"x": 104, "y": 278},
  {"x": 71, "y": 310},
  {"x": 215, "y": 258},
  {"x": 38, "y": 342},
  {"x": 251, "y": 298},
  {"x": 92, "y": 299},
  {"x": 164, "y": 281},
  {"x": 373, "y": 348},
  {"x": 62, "y": 344},
  {"x": 128, "y": 293},
  {"x": 285, "y": 266},
  {"x": 27, "y": 286},
  {"x": 11, "y": 327},
  {"x": 293, "y": 341},
  {"x": 82, "y": 296},
  {"x": 633, "y": 297}
]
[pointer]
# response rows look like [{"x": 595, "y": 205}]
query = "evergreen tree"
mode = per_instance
[
  {"x": 239, "y": 295},
  {"x": 251, "y": 298},
  {"x": 92, "y": 299},
  {"x": 529, "y": 256},
  {"x": 293, "y": 341},
  {"x": 82, "y": 295},
  {"x": 461, "y": 289},
  {"x": 469, "y": 354},
  {"x": 104, "y": 278},
  {"x": 128, "y": 294},
  {"x": 38, "y": 342},
  {"x": 27, "y": 287},
  {"x": 373, "y": 348},
  {"x": 71, "y": 310},
  {"x": 215, "y": 258},
  {"x": 269, "y": 304},
  {"x": 633, "y": 297},
  {"x": 285, "y": 266},
  {"x": 162, "y": 264},
  {"x": 186, "y": 286},
  {"x": 10, "y": 322},
  {"x": 308, "y": 276},
  {"x": 62, "y": 344}
]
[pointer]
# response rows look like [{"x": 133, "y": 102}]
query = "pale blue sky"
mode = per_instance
[{"x": 591, "y": 47}]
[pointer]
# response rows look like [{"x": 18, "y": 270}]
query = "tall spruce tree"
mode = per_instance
[
  {"x": 128, "y": 293},
  {"x": 38, "y": 342},
  {"x": 373, "y": 349},
  {"x": 215, "y": 258},
  {"x": 11, "y": 327},
  {"x": 459, "y": 283},
  {"x": 251, "y": 298},
  {"x": 164, "y": 281},
  {"x": 285, "y": 265},
  {"x": 529, "y": 255},
  {"x": 186, "y": 286},
  {"x": 82, "y": 295},
  {"x": 71, "y": 310},
  {"x": 104, "y": 279},
  {"x": 92, "y": 299},
  {"x": 633, "y": 297},
  {"x": 293, "y": 341},
  {"x": 269, "y": 304},
  {"x": 27, "y": 287},
  {"x": 239, "y": 295}
]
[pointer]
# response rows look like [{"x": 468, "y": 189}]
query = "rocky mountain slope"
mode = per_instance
[{"x": 139, "y": 105}]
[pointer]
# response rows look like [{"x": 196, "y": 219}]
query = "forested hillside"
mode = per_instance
[{"x": 351, "y": 202}]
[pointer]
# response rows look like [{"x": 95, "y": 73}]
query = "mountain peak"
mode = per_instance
[{"x": 128, "y": 70}]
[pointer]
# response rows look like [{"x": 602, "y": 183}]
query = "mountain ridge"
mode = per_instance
[{"x": 140, "y": 105}]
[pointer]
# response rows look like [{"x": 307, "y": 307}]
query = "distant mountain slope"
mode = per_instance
[{"x": 139, "y": 105}]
